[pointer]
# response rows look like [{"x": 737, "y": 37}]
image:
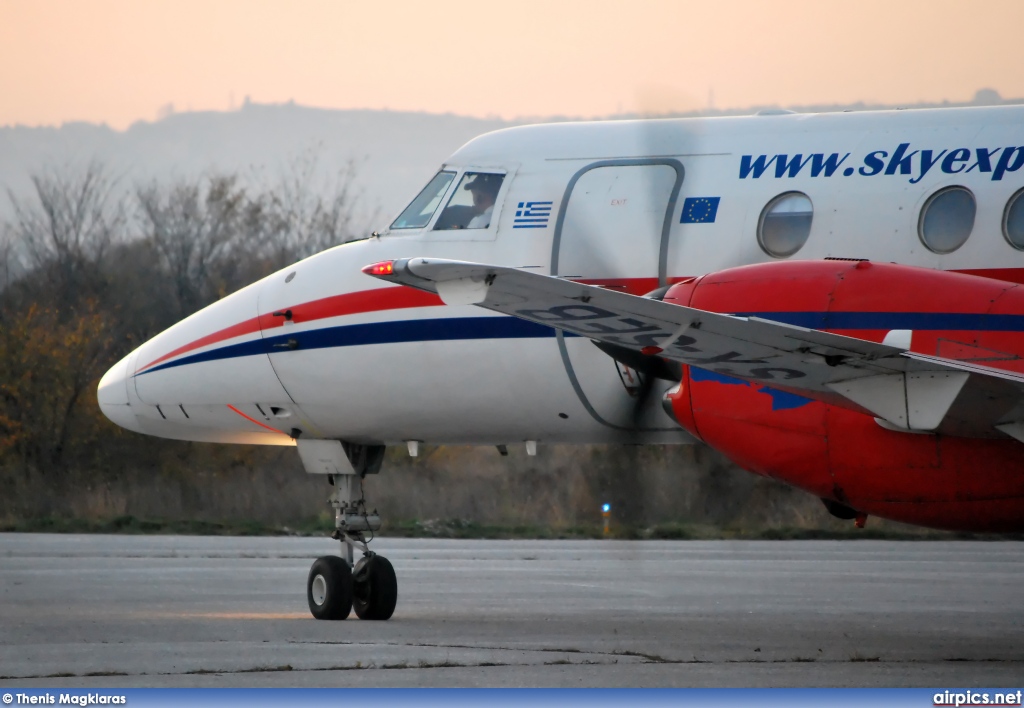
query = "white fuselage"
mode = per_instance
[{"x": 362, "y": 361}]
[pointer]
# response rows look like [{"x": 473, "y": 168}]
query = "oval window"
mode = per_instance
[
  {"x": 947, "y": 219},
  {"x": 785, "y": 224},
  {"x": 1013, "y": 220}
]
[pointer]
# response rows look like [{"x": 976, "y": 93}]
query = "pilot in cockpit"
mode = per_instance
[
  {"x": 484, "y": 190},
  {"x": 472, "y": 211}
]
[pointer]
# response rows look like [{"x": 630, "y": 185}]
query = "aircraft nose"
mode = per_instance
[{"x": 112, "y": 394}]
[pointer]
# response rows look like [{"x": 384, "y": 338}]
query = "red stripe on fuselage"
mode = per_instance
[
  {"x": 391, "y": 298},
  {"x": 237, "y": 330},
  {"x": 401, "y": 297}
]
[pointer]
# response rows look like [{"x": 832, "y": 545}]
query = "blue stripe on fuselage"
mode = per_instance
[
  {"x": 432, "y": 330},
  {"x": 936, "y": 321}
]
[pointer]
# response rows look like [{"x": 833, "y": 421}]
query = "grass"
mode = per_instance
[
  {"x": 462, "y": 528},
  {"x": 465, "y": 529},
  {"x": 133, "y": 525}
]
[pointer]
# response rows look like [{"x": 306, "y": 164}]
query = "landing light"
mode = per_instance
[{"x": 382, "y": 268}]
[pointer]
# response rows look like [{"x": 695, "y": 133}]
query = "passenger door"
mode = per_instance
[{"x": 613, "y": 230}]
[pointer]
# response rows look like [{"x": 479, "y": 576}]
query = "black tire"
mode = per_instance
[
  {"x": 375, "y": 589},
  {"x": 329, "y": 588}
]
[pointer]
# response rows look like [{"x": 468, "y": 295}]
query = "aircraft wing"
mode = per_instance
[{"x": 906, "y": 390}]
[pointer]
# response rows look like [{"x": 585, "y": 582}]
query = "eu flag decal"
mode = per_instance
[{"x": 699, "y": 210}]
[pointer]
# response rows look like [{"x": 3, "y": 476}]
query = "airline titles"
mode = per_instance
[{"x": 901, "y": 160}]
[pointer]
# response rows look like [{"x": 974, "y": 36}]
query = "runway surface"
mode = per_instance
[{"x": 200, "y": 611}]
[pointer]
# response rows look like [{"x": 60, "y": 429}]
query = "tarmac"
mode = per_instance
[{"x": 137, "y": 611}]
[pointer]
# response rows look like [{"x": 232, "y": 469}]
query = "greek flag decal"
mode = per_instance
[{"x": 532, "y": 215}]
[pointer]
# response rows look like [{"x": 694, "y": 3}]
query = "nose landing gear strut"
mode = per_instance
[{"x": 335, "y": 584}]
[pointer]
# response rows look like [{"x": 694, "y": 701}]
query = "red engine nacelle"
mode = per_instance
[{"x": 842, "y": 455}]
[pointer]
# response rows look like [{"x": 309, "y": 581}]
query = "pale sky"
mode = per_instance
[{"x": 119, "y": 61}]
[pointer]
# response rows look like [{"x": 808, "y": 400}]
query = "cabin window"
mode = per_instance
[
  {"x": 947, "y": 219},
  {"x": 785, "y": 224},
  {"x": 472, "y": 202},
  {"x": 1013, "y": 220},
  {"x": 417, "y": 215}
]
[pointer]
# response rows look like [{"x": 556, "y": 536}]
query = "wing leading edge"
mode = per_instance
[{"x": 905, "y": 390}]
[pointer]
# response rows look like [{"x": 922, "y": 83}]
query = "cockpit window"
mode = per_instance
[
  {"x": 417, "y": 215},
  {"x": 472, "y": 203}
]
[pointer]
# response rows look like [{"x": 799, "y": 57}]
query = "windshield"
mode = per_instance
[{"x": 417, "y": 215}]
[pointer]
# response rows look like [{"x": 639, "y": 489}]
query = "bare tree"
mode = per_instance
[
  {"x": 191, "y": 225},
  {"x": 48, "y": 364},
  {"x": 10, "y": 263},
  {"x": 303, "y": 213},
  {"x": 68, "y": 227}
]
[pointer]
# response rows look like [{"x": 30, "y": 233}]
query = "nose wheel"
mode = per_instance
[
  {"x": 374, "y": 588},
  {"x": 336, "y": 585},
  {"x": 329, "y": 588},
  {"x": 333, "y": 589}
]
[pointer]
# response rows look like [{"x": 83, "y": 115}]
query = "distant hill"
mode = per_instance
[{"x": 396, "y": 151}]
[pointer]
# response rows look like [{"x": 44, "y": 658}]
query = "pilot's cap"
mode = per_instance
[{"x": 488, "y": 184}]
